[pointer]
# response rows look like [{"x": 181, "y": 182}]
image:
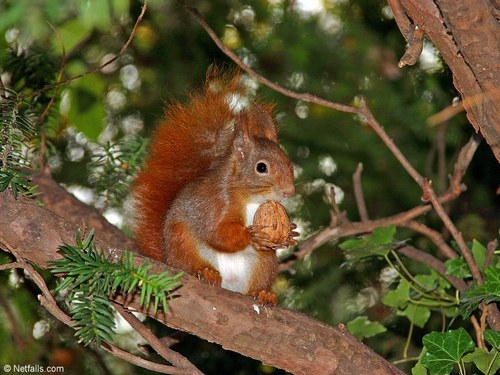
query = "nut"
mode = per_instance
[{"x": 273, "y": 219}]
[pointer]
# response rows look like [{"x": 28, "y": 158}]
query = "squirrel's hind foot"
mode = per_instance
[
  {"x": 210, "y": 276},
  {"x": 265, "y": 297}
]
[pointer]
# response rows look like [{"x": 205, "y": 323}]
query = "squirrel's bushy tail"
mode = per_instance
[{"x": 185, "y": 143}]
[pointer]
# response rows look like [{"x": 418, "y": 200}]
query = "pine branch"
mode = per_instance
[{"x": 93, "y": 278}]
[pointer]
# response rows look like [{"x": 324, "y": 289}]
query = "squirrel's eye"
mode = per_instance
[{"x": 261, "y": 167}]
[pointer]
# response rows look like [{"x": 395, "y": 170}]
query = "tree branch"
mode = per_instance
[
  {"x": 466, "y": 35},
  {"x": 434, "y": 236},
  {"x": 429, "y": 194},
  {"x": 279, "y": 337},
  {"x": 290, "y": 93},
  {"x": 358, "y": 193},
  {"x": 184, "y": 366},
  {"x": 52, "y": 307}
]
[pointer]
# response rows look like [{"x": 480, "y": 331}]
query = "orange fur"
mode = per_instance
[
  {"x": 201, "y": 181},
  {"x": 184, "y": 144}
]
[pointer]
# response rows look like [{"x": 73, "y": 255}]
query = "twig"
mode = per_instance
[
  {"x": 441, "y": 157},
  {"x": 47, "y": 300},
  {"x": 452, "y": 110},
  {"x": 173, "y": 357},
  {"x": 59, "y": 79},
  {"x": 413, "y": 34},
  {"x": 457, "y": 236},
  {"x": 52, "y": 307},
  {"x": 43, "y": 143},
  {"x": 370, "y": 119},
  {"x": 478, "y": 331},
  {"x": 290, "y": 93},
  {"x": 141, "y": 362},
  {"x": 445, "y": 114},
  {"x": 358, "y": 193},
  {"x": 337, "y": 217},
  {"x": 434, "y": 263},
  {"x": 105, "y": 64},
  {"x": 463, "y": 160},
  {"x": 490, "y": 251},
  {"x": 352, "y": 228},
  {"x": 434, "y": 236}
]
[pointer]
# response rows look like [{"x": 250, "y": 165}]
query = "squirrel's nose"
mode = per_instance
[{"x": 288, "y": 191}]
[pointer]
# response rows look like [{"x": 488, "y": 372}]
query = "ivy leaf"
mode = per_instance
[
  {"x": 487, "y": 362},
  {"x": 458, "y": 267},
  {"x": 419, "y": 369},
  {"x": 417, "y": 314},
  {"x": 488, "y": 292},
  {"x": 362, "y": 327},
  {"x": 479, "y": 253},
  {"x": 444, "y": 350},
  {"x": 493, "y": 338},
  {"x": 399, "y": 296},
  {"x": 383, "y": 235},
  {"x": 378, "y": 243}
]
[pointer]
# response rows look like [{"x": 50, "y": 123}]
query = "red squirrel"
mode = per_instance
[{"x": 212, "y": 162}]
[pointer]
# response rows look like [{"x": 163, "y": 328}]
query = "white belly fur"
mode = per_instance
[{"x": 234, "y": 268}]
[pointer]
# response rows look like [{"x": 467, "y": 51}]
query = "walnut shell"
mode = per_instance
[{"x": 273, "y": 219}]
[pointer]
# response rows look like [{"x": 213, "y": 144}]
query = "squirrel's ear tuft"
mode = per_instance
[
  {"x": 242, "y": 142},
  {"x": 261, "y": 123}
]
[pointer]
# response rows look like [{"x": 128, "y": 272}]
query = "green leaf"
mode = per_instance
[
  {"x": 479, "y": 253},
  {"x": 19, "y": 182},
  {"x": 444, "y": 350},
  {"x": 378, "y": 243},
  {"x": 399, "y": 296},
  {"x": 417, "y": 314},
  {"x": 362, "y": 327},
  {"x": 488, "y": 292},
  {"x": 88, "y": 240},
  {"x": 493, "y": 338},
  {"x": 382, "y": 236},
  {"x": 92, "y": 278},
  {"x": 458, "y": 267},
  {"x": 71, "y": 33},
  {"x": 86, "y": 105},
  {"x": 96, "y": 13},
  {"x": 419, "y": 368},
  {"x": 487, "y": 362}
]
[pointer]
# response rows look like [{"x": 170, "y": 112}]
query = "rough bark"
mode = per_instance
[
  {"x": 467, "y": 34},
  {"x": 277, "y": 336}
]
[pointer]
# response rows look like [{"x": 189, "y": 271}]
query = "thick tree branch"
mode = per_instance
[
  {"x": 279, "y": 337},
  {"x": 467, "y": 34}
]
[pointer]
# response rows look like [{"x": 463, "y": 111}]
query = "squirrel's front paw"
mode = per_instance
[
  {"x": 261, "y": 240},
  {"x": 210, "y": 276}
]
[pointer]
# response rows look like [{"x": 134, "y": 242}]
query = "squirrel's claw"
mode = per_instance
[
  {"x": 210, "y": 276},
  {"x": 265, "y": 297},
  {"x": 260, "y": 240}
]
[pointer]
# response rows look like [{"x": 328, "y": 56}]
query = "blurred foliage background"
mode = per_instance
[{"x": 339, "y": 50}]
